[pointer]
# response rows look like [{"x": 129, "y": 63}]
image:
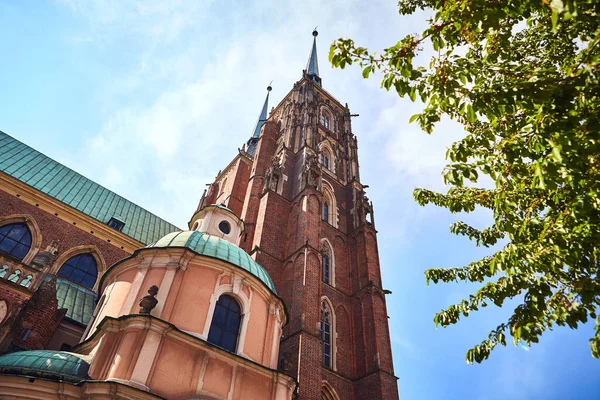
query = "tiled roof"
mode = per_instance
[
  {"x": 213, "y": 246},
  {"x": 54, "y": 179}
]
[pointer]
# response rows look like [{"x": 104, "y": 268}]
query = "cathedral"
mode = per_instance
[{"x": 273, "y": 292}]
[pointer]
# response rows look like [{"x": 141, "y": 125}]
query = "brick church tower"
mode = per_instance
[{"x": 307, "y": 221}]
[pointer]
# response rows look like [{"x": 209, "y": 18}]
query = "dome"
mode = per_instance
[
  {"x": 60, "y": 365},
  {"x": 213, "y": 246}
]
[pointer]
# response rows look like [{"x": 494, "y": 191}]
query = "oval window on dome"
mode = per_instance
[{"x": 224, "y": 227}]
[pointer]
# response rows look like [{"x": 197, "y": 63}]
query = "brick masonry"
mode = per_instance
[{"x": 284, "y": 229}]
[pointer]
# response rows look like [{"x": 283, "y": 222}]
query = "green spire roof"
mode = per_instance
[
  {"x": 263, "y": 115},
  {"x": 253, "y": 141},
  {"x": 213, "y": 246},
  {"x": 58, "y": 365},
  {"x": 312, "y": 66},
  {"x": 55, "y": 180}
]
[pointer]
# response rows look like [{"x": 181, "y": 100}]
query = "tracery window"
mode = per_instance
[
  {"x": 326, "y": 161},
  {"x": 325, "y": 211},
  {"x": 325, "y": 121},
  {"x": 81, "y": 269},
  {"x": 225, "y": 325},
  {"x": 15, "y": 239},
  {"x": 3, "y": 271},
  {"x": 326, "y": 268},
  {"x": 326, "y": 334}
]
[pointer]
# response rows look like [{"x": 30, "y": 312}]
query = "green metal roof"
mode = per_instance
[
  {"x": 55, "y": 180},
  {"x": 213, "y": 246},
  {"x": 79, "y": 301},
  {"x": 60, "y": 365}
]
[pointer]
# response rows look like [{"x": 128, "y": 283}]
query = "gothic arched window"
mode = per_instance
[
  {"x": 325, "y": 211},
  {"x": 225, "y": 325},
  {"x": 326, "y": 334},
  {"x": 327, "y": 262},
  {"x": 326, "y": 161},
  {"x": 81, "y": 269},
  {"x": 15, "y": 239},
  {"x": 325, "y": 120},
  {"x": 326, "y": 268}
]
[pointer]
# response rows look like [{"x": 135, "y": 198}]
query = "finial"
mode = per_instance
[
  {"x": 315, "y": 33},
  {"x": 147, "y": 303},
  {"x": 269, "y": 88}
]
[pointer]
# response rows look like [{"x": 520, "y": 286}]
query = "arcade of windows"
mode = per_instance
[{"x": 15, "y": 241}]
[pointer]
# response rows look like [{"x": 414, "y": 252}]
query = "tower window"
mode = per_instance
[
  {"x": 325, "y": 121},
  {"x": 116, "y": 224},
  {"x": 326, "y": 268},
  {"x": 325, "y": 211},
  {"x": 81, "y": 269},
  {"x": 326, "y": 161},
  {"x": 224, "y": 227},
  {"x": 225, "y": 325},
  {"x": 15, "y": 240},
  {"x": 326, "y": 334}
]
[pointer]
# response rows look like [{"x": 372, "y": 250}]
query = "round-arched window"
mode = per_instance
[
  {"x": 15, "y": 239},
  {"x": 81, "y": 269},
  {"x": 225, "y": 325},
  {"x": 224, "y": 227}
]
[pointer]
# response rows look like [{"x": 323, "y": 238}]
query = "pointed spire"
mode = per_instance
[
  {"x": 312, "y": 67},
  {"x": 263, "y": 115}
]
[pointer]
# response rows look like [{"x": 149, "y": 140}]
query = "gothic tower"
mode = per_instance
[{"x": 307, "y": 221}]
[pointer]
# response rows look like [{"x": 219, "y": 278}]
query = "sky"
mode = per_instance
[{"x": 152, "y": 98}]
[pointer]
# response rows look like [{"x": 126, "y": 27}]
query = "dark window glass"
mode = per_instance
[
  {"x": 224, "y": 227},
  {"x": 326, "y": 268},
  {"x": 326, "y": 161},
  {"x": 116, "y": 224},
  {"x": 325, "y": 212},
  {"x": 25, "y": 334},
  {"x": 225, "y": 325},
  {"x": 65, "y": 347},
  {"x": 15, "y": 240},
  {"x": 326, "y": 334},
  {"x": 81, "y": 269}
]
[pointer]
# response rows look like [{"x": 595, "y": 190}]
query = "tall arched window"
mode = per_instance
[
  {"x": 326, "y": 212},
  {"x": 326, "y": 334},
  {"x": 326, "y": 268},
  {"x": 325, "y": 120},
  {"x": 15, "y": 239},
  {"x": 81, "y": 269},
  {"x": 326, "y": 161},
  {"x": 225, "y": 325},
  {"x": 327, "y": 262}
]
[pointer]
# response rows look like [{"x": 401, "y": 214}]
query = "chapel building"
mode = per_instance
[{"x": 274, "y": 290}]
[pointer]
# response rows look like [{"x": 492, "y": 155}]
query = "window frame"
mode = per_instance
[
  {"x": 18, "y": 242},
  {"x": 224, "y": 328},
  {"x": 74, "y": 268}
]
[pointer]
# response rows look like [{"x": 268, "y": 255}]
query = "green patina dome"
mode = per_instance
[
  {"x": 213, "y": 246},
  {"x": 60, "y": 365}
]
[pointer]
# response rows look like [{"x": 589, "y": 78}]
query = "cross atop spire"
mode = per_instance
[{"x": 312, "y": 66}]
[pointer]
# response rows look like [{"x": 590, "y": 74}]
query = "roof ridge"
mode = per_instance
[{"x": 11, "y": 149}]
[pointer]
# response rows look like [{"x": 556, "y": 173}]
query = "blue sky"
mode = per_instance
[{"x": 151, "y": 98}]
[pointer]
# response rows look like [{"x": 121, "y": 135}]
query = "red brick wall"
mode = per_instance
[
  {"x": 284, "y": 233},
  {"x": 54, "y": 228}
]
